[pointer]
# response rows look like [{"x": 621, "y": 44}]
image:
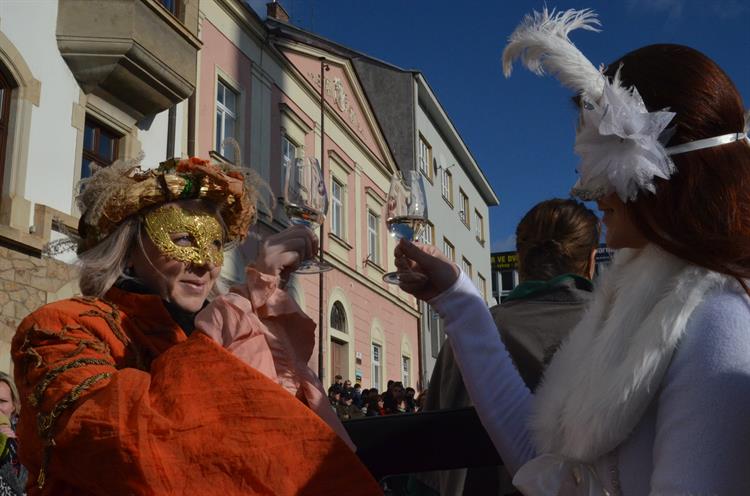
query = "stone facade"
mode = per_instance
[{"x": 26, "y": 283}]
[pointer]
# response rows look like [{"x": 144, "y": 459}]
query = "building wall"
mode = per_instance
[
  {"x": 52, "y": 135},
  {"x": 52, "y": 166},
  {"x": 26, "y": 283},
  {"x": 43, "y": 158},
  {"x": 444, "y": 215},
  {"x": 284, "y": 102},
  {"x": 220, "y": 59}
]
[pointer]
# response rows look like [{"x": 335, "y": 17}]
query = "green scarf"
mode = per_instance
[{"x": 527, "y": 289}]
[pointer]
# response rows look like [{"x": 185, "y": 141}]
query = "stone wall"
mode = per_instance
[{"x": 26, "y": 283}]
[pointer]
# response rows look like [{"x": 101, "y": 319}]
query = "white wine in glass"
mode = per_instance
[
  {"x": 407, "y": 211},
  {"x": 408, "y": 227},
  {"x": 306, "y": 204}
]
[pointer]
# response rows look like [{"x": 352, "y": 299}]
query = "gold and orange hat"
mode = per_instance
[{"x": 114, "y": 193}]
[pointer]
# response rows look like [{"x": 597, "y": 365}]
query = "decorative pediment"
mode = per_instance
[{"x": 344, "y": 96}]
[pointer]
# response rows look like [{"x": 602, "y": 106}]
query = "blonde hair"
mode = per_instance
[
  {"x": 7, "y": 379},
  {"x": 103, "y": 264}
]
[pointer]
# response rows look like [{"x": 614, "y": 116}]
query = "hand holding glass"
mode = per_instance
[
  {"x": 306, "y": 203},
  {"x": 406, "y": 211}
]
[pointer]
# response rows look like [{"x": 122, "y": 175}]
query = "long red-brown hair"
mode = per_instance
[{"x": 702, "y": 213}]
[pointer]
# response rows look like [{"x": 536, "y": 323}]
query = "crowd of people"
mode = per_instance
[{"x": 351, "y": 401}]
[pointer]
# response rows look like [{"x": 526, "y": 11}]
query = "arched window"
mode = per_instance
[
  {"x": 338, "y": 317},
  {"x": 5, "y": 90}
]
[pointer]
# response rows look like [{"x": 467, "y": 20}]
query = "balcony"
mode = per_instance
[{"x": 135, "y": 51}]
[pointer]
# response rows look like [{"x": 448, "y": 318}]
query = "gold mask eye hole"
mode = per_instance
[{"x": 183, "y": 240}]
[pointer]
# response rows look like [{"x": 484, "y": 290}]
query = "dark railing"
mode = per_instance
[{"x": 422, "y": 442}]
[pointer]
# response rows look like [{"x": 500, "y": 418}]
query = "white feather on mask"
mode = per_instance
[
  {"x": 541, "y": 42},
  {"x": 618, "y": 138}
]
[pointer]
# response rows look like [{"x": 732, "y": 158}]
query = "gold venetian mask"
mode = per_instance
[{"x": 200, "y": 240}]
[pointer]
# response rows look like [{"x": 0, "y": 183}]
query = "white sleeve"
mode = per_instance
[
  {"x": 499, "y": 395},
  {"x": 702, "y": 427}
]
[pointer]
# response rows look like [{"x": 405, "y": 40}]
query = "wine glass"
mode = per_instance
[
  {"x": 406, "y": 211},
  {"x": 306, "y": 204}
]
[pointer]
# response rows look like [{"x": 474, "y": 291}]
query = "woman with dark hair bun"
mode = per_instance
[
  {"x": 650, "y": 392},
  {"x": 556, "y": 243}
]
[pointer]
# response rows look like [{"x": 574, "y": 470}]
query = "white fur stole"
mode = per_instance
[{"x": 606, "y": 373}]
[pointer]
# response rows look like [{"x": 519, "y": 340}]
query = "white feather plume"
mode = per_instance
[{"x": 541, "y": 42}]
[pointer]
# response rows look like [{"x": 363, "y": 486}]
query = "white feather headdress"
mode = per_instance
[
  {"x": 541, "y": 42},
  {"x": 618, "y": 138}
]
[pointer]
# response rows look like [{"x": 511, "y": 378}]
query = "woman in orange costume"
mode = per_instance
[{"x": 142, "y": 387}]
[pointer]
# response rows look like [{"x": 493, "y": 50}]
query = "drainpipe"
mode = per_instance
[
  {"x": 191, "y": 125},
  {"x": 171, "y": 123}
]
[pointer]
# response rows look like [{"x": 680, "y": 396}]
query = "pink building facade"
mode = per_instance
[{"x": 264, "y": 91}]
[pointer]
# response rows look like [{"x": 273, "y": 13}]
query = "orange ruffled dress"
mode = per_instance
[{"x": 117, "y": 400}]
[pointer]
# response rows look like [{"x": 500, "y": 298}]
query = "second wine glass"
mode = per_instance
[
  {"x": 406, "y": 213},
  {"x": 306, "y": 204}
]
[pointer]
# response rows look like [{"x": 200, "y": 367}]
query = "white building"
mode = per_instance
[
  {"x": 80, "y": 81},
  {"x": 422, "y": 137}
]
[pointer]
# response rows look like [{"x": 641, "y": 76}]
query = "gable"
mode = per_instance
[{"x": 343, "y": 95}]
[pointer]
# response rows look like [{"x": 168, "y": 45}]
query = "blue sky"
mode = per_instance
[{"x": 520, "y": 130}]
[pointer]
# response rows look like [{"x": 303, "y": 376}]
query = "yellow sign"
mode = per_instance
[{"x": 506, "y": 260}]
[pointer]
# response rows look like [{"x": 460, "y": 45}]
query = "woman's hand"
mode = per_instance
[
  {"x": 424, "y": 271},
  {"x": 281, "y": 253}
]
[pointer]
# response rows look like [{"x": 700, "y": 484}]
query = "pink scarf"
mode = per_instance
[{"x": 265, "y": 328}]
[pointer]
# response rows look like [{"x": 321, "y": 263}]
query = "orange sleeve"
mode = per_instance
[{"x": 200, "y": 422}]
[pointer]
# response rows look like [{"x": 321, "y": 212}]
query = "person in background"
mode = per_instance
[
  {"x": 375, "y": 407},
  {"x": 357, "y": 395},
  {"x": 394, "y": 402},
  {"x": 411, "y": 404},
  {"x": 556, "y": 242},
  {"x": 338, "y": 382},
  {"x": 346, "y": 409},
  {"x": 13, "y": 475},
  {"x": 364, "y": 399}
]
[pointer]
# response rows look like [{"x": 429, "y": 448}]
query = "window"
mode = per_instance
[
  {"x": 226, "y": 119},
  {"x": 425, "y": 157},
  {"x": 170, "y": 5},
  {"x": 447, "y": 185},
  {"x": 506, "y": 281},
  {"x": 373, "y": 238},
  {"x": 427, "y": 235},
  {"x": 405, "y": 370},
  {"x": 482, "y": 286},
  {"x": 5, "y": 91},
  {"x": 463, "y": 207},
  {"x": 377, "y": 369},
  {"x": 288, "y": 154},
  {"x": 466, "y": 267},
  {"x": 100, "y": 146},
  {"x": 449, "y": 250},
  {"x": 338, "y": 317},
  {"x": 479, "y": 226},
  {"x": 337, "y": 208}
]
